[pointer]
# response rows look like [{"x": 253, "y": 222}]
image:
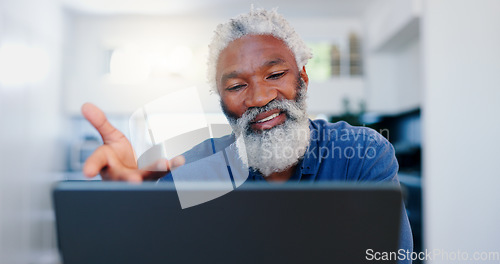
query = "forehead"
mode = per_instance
[{"x": 252, "y": 51}]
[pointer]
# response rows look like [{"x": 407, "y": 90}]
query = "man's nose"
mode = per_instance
[{"x": 260, "y": 95}]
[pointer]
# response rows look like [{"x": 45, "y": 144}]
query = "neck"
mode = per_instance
[{"x": 282, "y": 176}]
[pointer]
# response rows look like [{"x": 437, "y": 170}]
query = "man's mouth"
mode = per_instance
[{"x": 268, "y": 120}]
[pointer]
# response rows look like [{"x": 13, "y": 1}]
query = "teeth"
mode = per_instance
[{"x": 268, "y": 118}]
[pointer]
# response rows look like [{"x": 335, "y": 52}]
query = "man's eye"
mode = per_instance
[
  {"x": 236, "y": 87},
  {"x": 277, "y": 75}
]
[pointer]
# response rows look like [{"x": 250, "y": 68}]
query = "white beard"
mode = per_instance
[{"x": 278, "y": 148}]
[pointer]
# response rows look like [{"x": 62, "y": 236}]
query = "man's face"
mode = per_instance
[
  {"x": 263, "y": 95},
  {"x": 251, "y": 72}
]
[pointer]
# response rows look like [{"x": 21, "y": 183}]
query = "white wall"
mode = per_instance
[
  {"x": 408, "y": 78},
  {"x": 393, "y": 56},
  {"x": 394, "y": 80},
  {"x": 30, "y": 134},
  {"x": 460, "y": 42},
  {"x": 91, "y": 35}
]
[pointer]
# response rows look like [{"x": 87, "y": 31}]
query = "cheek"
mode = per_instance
[
  {"x": 233, "y": 105},
  {"x": 288, "y": 88}
]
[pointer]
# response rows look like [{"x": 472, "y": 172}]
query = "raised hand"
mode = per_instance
[{"x": 115, "y": 159}]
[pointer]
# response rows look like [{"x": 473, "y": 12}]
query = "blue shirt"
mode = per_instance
[{"x": 337, "y": 152}]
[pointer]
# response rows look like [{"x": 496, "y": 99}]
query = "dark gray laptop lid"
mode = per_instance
[{"x": 110, "y": 222}]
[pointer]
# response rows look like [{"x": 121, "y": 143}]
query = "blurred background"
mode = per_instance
[{"x": 424, "y": 73}]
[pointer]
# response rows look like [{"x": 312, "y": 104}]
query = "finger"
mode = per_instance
[
  {"x": 118, "y": 172},
  {"x": 129, "y": 175},
  {"x": 96, "y": 162},
  {"x": 155, "y": 170},
  {"x": 161, "y": 167},
  {"x": 166, "y": 165},
  {"x": 177, "y": 162},
  {"x": 121, "y": 174},
  {"x": 105, "y": 162},
  {"x": 98, "y": 120}
]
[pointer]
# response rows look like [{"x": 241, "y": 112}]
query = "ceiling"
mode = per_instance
[{"x": 219, "y": 8}]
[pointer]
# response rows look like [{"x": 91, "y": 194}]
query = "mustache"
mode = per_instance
[
  {"x": 292, "y": 108},
  {"x": 286, "y": 106}
]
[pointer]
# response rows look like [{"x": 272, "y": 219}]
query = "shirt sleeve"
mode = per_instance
[{"x": 379, "y": 164}]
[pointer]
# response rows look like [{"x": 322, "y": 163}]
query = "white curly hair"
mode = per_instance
[{"x": 256, "y": 22}]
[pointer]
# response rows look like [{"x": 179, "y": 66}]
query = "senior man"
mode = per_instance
[{"x": 257, "y": 66}]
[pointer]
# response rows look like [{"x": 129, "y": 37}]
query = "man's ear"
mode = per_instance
[{"x": 303, "y": 75}]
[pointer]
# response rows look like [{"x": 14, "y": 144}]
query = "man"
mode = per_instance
[{"x": 257, "y": 66}]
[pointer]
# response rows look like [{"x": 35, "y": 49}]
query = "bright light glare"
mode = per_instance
[
  {"x": 137, "y": 63},
  {"x": 129, "y": 65},
  {"x": 179, "y": 59},
  {"x": 21, "y": 64}
]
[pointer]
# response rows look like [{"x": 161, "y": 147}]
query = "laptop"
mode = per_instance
[{"x": 114, "y": 222}]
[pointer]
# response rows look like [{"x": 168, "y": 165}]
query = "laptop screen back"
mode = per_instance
[{"x": 109, "y": 222}]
